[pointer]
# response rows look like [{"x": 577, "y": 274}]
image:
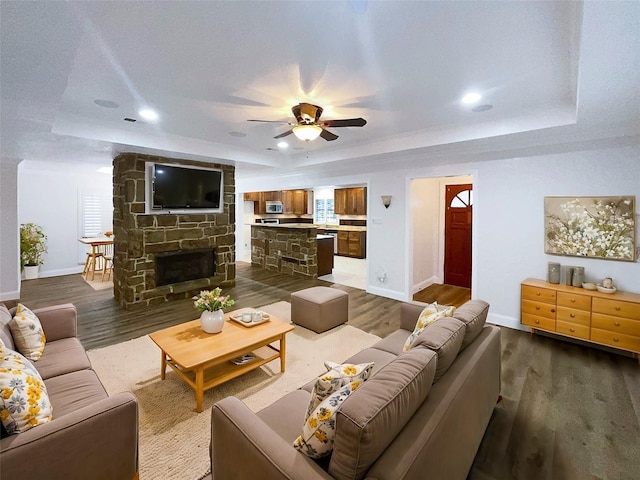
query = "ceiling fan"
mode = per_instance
[{"x": 309, "y": 126}]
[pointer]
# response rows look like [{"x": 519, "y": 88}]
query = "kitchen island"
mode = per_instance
[{"x": 291, "y": 249}]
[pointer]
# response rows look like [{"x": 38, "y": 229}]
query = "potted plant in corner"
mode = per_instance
[{"x": 33, "y": 246}]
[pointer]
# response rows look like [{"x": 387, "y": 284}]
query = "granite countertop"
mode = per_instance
[{"x": 346, "y": 228}]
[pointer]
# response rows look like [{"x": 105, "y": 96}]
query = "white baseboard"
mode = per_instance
[
  {"x": 383, "y": 292},
  {"x": 505, "y": 321},
  {"x": 14, "y": 295},
  {"x": 425, "y": 283},
  {"x": 60, "y": 272}
]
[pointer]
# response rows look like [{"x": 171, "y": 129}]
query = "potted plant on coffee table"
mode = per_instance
[
  {"x": 33, "y": 246},
  {"x": 211, "y": 303}
]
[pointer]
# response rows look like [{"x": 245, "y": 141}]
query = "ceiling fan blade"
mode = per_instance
[
  {"x": 347, "y": 122},
  {"x": 327, "y": 135},
  {"x": 271, "y": 121},
  {"x": 288, "y": 132}
]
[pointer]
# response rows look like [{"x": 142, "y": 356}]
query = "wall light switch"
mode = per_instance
[{"x": 376, "y": 220}]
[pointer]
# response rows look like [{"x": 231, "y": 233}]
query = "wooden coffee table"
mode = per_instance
[{"x": 203, "y": 360}]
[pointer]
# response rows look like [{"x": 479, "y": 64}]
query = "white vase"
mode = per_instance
[
  {"x": 31, "y": 272},
  {"x": 212, "y": 322}
]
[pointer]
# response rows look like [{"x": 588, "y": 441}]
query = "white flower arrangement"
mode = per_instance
[{"x": 211, "y": 301}]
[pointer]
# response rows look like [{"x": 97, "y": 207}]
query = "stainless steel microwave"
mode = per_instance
[{"x": 274, "y": 207}]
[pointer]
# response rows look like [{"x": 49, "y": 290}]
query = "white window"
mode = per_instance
[
  {"x": 91, "y": 215},
  {"x": 323, "y": 213}
]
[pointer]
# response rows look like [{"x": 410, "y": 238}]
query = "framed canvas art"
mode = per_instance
[{"x": 596, "y": 227}]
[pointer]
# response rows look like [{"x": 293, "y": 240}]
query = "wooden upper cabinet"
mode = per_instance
[
  {"x": 294, "y": 201},
  {"x": 274, "y": 196},
  {"x": 252, "y": 196},
  {"x": 350, "y": 201}
]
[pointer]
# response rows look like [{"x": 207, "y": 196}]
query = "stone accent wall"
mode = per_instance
[
  {"x": 288, "y": 250},
  {"x": 138, "y": 237}
]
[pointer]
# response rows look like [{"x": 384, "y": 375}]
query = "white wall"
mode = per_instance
[
  {"x": 425, "y": 206},
  {"x": 9, "y": 236},
  {"x": 48, "y": 195}
]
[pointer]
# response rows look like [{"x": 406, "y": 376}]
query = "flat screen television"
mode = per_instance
[{"x": 183, "y": 189}]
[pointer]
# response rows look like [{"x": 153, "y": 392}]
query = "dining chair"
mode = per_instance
[{"x": 107, "y": 261}]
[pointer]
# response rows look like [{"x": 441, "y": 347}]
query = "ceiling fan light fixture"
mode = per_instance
[{"x": 307, "y": 132}]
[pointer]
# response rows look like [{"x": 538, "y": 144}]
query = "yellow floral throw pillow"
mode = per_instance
[
  {"x": 319, "y": 429},
  {"x": 337, "y": 376},
  {"x": 429, "y": 314},
  {"x": 24, "y": 402},
  {"x": 27, "y": 333}
]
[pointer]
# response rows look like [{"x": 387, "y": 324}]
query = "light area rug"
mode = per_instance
[
  {"x": 174, "y": 439},
  {"x": 99, "y": 285}
]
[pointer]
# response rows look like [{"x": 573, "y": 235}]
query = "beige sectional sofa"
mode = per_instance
[
  {"x": 91, "y": 434},
  {"x": 421, "y": 414}
]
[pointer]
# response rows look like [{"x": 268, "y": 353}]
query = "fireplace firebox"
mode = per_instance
[{"x": 184, "y": 265}]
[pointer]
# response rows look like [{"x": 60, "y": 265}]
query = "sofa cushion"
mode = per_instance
[
  {"x": 24, "y": 402},
  {"x": 5, "y": 331},
  {"x": 336, "y": 377},
  {"x": 474, "y": 314},
  {"x": 373, "y": 415},
  {"x": 445, "y": 338},
  {"x": 379, "y": 358},
  {"x": 74, "y": 391},
  {"x": 318, "y": 431},
  {"x": 63, "y": 356},
  {"x": 394, "y": 342},
  {"x": 429, "y": 314},
  {"x": 28, "y": 336},
  {"x": 285, "y": 415}
]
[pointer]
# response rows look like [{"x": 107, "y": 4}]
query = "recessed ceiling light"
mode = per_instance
[
  {"x": 482, "y": 108},
  {"x": 471, "y": 97},
  {"x": 106, "y": 103},
  {"x": 283, "y": 144},
  {"x": 148, "y": 114}
]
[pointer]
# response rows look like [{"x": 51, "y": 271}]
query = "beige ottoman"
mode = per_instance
[{"x": 319, "y": 308}]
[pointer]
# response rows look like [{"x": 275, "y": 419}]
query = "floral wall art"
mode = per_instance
[{"x": 596, "y": 227}]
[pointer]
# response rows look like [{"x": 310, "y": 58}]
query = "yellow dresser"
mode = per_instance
[{"x": 606, "y": 319}]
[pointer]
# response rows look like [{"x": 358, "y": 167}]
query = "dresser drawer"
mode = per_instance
[
  {"x": 538, "y": 294},
  {"x": 571, "y": 315},
  {"x": 618, "y": 340},
  {"x": 539, "y": 322},
  {"x": 581, "y": 302},
  {"x": 539, "y": 309},
  {"x": 616, "y": 324},
  {"x": 572, "y": 329},
  {"x": 617, "y": 308}
]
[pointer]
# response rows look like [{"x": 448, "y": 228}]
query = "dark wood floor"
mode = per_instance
[
  {"x": 568, "y": 412},
  {"x": 443, "y": 294}
]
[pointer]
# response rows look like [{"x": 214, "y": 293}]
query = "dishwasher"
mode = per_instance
[{"x": 334, "y": 234}]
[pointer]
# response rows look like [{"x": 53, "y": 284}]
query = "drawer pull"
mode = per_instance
[
  {"x": 572, "y": 330},
  {"x": 538, "y": 294},
  {"x": 572, "y": 315},
  {"x": 618, "y": 308},
  {"x": 617, "y": 324},
  {"x": 553, "y": 310},
  {"x": 537, "y": 321},
  {"x": 537, "y": 307},
  {"x": 573, "y": 300},
  {"x": 616, "y": 339}
]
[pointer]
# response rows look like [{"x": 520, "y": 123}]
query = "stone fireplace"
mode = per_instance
[
  {"x": 184, "y": 265},
  {"x": 192, "y": 252}
]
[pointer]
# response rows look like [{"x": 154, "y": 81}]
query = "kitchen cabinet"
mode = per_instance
[
  {"x": 261, "y": 198},
  {"x": 325, "y": 255},
  {"x": 352, "y": 243},
  {"x": 350, "y": 201},
  {"x": 605, "y": 319},
  {"x": 295, "y": 202}
]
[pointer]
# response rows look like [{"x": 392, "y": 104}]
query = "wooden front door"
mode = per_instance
[{"x": 457, "y": 235}]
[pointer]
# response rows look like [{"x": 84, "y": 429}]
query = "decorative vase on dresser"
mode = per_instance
[
  {"x": 602, "y": 318},
  {"x": 212, "y": 322}
]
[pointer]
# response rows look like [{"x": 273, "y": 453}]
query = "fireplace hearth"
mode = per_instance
[{"x": 184, "y": 265}]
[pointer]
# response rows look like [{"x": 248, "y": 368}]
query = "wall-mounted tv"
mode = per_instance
[{"x": 183, "y": 189}]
